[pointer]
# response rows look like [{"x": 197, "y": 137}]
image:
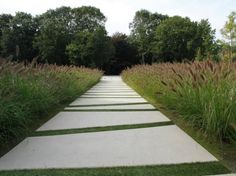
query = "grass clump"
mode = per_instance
[
  {"x": 204, "y": 93},
  {"x": 28, "y": 92}
]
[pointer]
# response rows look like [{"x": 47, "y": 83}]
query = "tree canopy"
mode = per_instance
[
  {"x": 229, "y": 29},
  {"x": 143, "y": 29},
  {"x": 91, "y": 49},
  {"x": 78, "y": 36},
  {"x": 59, "y": 27},
  {"x": 229, "y": 33},
  {"x": 125, "y": 54},
  {"x": 17, "y": 35},
  {"x": 178, "y": 39}
]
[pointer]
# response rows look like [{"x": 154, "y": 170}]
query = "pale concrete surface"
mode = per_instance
[
  {"x": 111, "y": 96},
  {"x": 110, "y": 78},
  {"x": 111, "y": 93},
  {"x": 134, "y": 147},
  {"x": 70, "y": 120},
  {"x": 117, "y": 107},
  {"x": 224, "y": 175},
  {"x": 111, "y": 87},
  {"x": 99, "y": 101}
]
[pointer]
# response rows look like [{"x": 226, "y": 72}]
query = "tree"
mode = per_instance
[
  {"x": 205, "y": 38},
  {"x": 175, "y": 39},
  {"x": 125, "y": 54},
  {"x": 4, "y": 34},
  {"x": 229, "y": 30},
  {"x": 143, "y": 30},
  {"x": 54, "y": 34},
  {"x": 58, "y": 28},
  {"x": 5, "y": 22},
  {"x": 180, "y": 38},
  {"x": 87, "y": 18},
  {"x": 17, "y": 36},
  {"x": 91, "y": 49}
]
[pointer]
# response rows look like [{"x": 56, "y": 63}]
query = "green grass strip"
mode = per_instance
[
  {"x": 193, "y": 169},
  {"x": 117, "y": 104},
  {"x": 97, "y": 129}
]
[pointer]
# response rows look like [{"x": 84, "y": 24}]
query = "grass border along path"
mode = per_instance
[
  {"x": 31, "y": 94},
  {"x": 195, "y": 169},
  {"x": 225, "y": 152}
]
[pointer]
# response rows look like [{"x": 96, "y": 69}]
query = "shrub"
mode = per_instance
[
  {"x": 233, "y": 57},
  {"x": 204, "y": 93},
  {"x": 27, "y": 92}
]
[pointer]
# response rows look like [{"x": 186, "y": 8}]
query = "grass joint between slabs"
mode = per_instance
[
  {"x": 117, "y": 104},
  {"x": 98, "y": 129}
]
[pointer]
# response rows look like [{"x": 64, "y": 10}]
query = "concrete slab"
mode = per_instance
[
  {"x": 70, "y": 120},
  {"x": 110, "y": 89},
  {"x": 105, "y": 101},
  {"x": 107, "y": 86},
  {"x": 111, "y": 85},
  {"x": 114, "y": 107},
  {"x": 144, "y": 146},
  {"x": 112, "y": 93},
  {"x": 111, "y": 82},
  {"x": 224, "y": 175},
  {"x": 113, "y": 90},
  {"x": 111, "y": 96},
  {"x": 111, "y": 78}
]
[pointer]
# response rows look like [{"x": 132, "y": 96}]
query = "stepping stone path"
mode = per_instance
[
  {"x": 109, "y": 103},
  {"x": 70, "y": 120}
]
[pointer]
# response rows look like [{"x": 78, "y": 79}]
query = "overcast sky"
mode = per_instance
[{"x": 120, "y": 13}]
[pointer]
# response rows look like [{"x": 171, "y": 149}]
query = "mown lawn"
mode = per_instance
[{"x": 197, "y": 169}]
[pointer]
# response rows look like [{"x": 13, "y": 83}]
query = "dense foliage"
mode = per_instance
[
  {"x": 28, "y": 92},
  {"x": 125, "y": 54},
  {"x": 90, "y": 49},
  {"x": 78, "y": 36},
  {"x": 229, "y": 33},
  {"x": 161, "y": 38},
  {"x": 201, "y": 92},
  {"x": 62, "y": 36},
  {"x": 143, "y": 29}
]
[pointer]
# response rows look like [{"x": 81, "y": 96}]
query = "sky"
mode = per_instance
[{"x": 120, "y": 13}]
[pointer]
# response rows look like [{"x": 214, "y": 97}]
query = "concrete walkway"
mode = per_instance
[{"x": 109, "y": 103}]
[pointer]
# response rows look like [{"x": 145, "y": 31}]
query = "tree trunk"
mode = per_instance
[{"x": 143, "y": 58}]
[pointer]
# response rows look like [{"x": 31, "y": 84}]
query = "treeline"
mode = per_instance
[
  {"x": 63, "y": 36},
  {"x": 78, "y": 36}
]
